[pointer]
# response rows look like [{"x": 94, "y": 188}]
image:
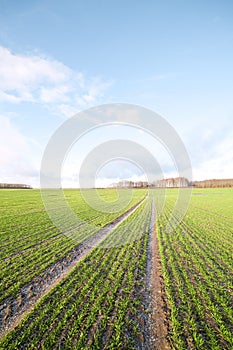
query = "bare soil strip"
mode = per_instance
[
  {"x": 13, "y": 310},
  {"x": 159, "y": 318}
]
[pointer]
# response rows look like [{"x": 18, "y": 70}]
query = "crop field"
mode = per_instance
[{"x": 119, "y": 279}]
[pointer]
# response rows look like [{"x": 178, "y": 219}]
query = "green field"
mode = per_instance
[{"x": 103, "y": 302}]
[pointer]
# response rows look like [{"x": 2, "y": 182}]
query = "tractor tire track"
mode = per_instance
[{"x": 158, "y": 304}]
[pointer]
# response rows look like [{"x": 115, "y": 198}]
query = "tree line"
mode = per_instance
[
  {"x": 213, "y": 183},
  {"x": 176, "y": 182},
  {"x": 21, "y": 186}
]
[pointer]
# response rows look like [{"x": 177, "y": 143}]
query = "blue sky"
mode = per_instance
[{"x": 57, "y": 58}]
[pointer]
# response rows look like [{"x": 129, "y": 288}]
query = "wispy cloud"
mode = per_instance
[
  {"x": 162, "y": 76},
  {"x": 40, "y": 79},
  {"x": 212, "y": 153}
]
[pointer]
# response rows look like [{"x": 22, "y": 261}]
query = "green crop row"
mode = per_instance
[
  {"x": 197, "y": 265},
  {"x": 27, "y": 250},
  {"x": 97, "y": 304}
]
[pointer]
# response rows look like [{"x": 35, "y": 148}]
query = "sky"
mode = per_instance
[{"x": 58, "y": 58}]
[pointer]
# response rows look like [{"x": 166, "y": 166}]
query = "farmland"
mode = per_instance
[{"x": 73, "y": 291}]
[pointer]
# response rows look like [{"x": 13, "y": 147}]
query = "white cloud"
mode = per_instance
[
  {"x": 56, "y": 94},
  {"x": 40, "y": 79},
  {"x": 95, "y": 90},
  {"x": 22, "y": 75},
  {"x": 17, "y": 155},
  {"x": 219, "y": 164},
  {"x": 11, "y": 142}
]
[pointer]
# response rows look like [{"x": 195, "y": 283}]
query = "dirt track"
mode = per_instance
[{"x": 159, "y": 321}]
